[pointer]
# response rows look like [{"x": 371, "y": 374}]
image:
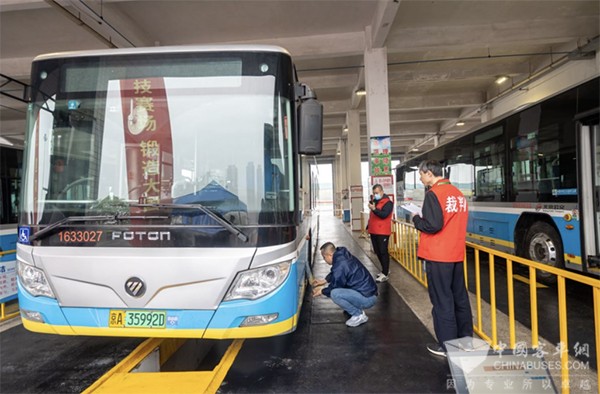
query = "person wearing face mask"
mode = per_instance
[{"x": 380, "y": 228}]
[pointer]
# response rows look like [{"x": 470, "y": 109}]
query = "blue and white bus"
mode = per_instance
[
  {"x": 532, "y": 178},
  {"x": 166, "y": 193},
  {"x": 11, "y": 162}
]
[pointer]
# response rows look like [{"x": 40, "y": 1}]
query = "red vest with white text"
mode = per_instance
[
  {"x": 448, "y": 244},
  {"x": 378, "y": 225}
]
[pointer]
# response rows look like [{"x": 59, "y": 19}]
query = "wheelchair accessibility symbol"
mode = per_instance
[{"x": 24, "y": 235}]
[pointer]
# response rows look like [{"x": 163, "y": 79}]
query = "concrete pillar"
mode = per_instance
[
  {"x": 337, "y": 183},
  {"x": 376, "y": 84},
  {"x": 306, "y": 184},
  {"x": 353, "y": 160},
  {"x": 378, "y": 118},
  {"x": 345, "y": 173}
]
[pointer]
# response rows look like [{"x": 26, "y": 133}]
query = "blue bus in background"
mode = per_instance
[
  {"x": 11, "y": 160},
  {"x": 532, "y": 179}
]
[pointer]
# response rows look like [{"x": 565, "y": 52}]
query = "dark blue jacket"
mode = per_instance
[{"x": 347, "y": 272}]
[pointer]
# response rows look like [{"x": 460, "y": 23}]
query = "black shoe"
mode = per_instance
[{"x": 436, "y": 349}]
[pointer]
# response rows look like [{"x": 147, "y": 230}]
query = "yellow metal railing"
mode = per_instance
[
  {"x": 8, "y": 311},
  {"x": 404, "y": 250}
]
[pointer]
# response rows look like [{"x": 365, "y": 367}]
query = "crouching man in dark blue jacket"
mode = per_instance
[{"x": 349, "y": 284}]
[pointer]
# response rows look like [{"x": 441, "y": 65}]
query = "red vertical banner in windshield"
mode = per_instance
[{"x": 149, "y": 146}]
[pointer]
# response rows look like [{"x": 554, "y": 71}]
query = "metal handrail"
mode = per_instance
[
  {"x": 5, "y": 252},
  {"x": 404, "y": 250}
]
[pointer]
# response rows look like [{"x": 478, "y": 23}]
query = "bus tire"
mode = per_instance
[{"x": 543, "y": 244}]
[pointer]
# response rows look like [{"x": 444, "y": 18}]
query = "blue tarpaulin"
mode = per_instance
[{"x": 215, "y": 198}]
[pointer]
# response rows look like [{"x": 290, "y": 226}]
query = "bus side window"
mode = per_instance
[
  {"x": 489, "y": 169},
  {"x": 461, "y": 176}
]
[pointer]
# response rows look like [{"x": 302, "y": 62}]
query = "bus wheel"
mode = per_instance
[{"x": 543, "y": 245}]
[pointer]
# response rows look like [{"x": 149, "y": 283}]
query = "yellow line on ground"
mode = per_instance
[{"x": 526, "y": 280}]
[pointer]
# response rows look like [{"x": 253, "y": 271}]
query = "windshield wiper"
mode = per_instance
[
  {"x": 222, "y": 221},
  {"x": 113, "y": 218},
  {"x": 72, "y": 219}
]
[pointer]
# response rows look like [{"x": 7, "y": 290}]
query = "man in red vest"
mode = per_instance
[
  {"x": 443, "y": 227},
  {"x": 380, "y": 228}
]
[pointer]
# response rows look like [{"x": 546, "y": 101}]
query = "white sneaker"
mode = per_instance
[
  {"x": 436, "y": 349},
  {"x": 381, "y": 277},
  {"x": 357, "y": 320}
]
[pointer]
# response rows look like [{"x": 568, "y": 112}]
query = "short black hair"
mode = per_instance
[
  {"x": 328, "y": 247},
  {"x": 56, "y": 159},
  {"x": 431, "y": 165},
  {"x": 377, "y": 186}
]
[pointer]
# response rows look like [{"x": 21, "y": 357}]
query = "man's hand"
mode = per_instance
[
  {"x": 371, "y": 206},
  {"x": 318, "y": 282},
  {"x": 317, "y": 292}
]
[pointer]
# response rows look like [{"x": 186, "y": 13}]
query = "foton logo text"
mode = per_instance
[{"x": 142, "y": 235}]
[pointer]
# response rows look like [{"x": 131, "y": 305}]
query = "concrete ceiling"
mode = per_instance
[{"x": 443, "y": 56}]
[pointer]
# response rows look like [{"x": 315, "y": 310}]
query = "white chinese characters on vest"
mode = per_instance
[{"x": 456, "y": 204}]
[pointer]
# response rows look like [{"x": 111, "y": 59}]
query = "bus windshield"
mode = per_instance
[{"x": 110, "y": 132}]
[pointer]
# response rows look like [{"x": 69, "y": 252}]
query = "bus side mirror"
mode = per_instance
[
  {"x": 310, "y": 123},
  {"x": 447, "y": 172}
]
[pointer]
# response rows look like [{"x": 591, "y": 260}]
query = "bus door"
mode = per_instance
[{"x": 589, "y": 153}]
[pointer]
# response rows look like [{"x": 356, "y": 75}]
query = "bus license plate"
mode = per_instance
[{"x": 137, "y": 319}]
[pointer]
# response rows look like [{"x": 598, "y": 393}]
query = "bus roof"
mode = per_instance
[{"x": 163, "y": 49}]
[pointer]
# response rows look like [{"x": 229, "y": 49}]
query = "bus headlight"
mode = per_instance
[
  {"x": 34, "y": 280},
  {"x": 258, "y": 282}
]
